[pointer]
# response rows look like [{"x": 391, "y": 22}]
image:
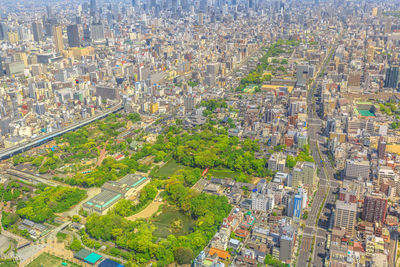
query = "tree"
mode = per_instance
[
  {"x": 76, "y": 218},
  {"x": 290, "y": 161},
  {"x": 183, "y": 255},
  {"x": 76, "y": 245}
]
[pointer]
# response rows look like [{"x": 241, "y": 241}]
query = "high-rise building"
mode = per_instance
[
  {"x": 392, "y": 77},
  {"x": 345, "y": 216},
  {"x": 260, "y": 199},
  {"x": 3, "y": 31},
  {"x": 97, "y": 32},
  {"x": 381, "y": 148},
  {"x": 189, "y": 102},
  {"x": 354, "y": 79},
  {"x": 297, "y": 206},
  {"x": 37, "y": 30},
  {"x": 302, "y": 75},
  {"x": 73, "y": 35},
  {"x": 49, "y": 11},
  {"x": 375, "y": 208},
  {"x": 286, "y": 246},
  {"x": 58, "y": 38},
  {"x": 93, "y": 7},
  {"x": 304, "y": 173}
]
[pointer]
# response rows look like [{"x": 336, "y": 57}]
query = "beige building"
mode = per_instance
[
  {"x": 345, "y": 216},
  {"x": 58, "y": 38}
]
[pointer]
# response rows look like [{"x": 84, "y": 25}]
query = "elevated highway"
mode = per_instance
[{"x": 11, "y": 151}]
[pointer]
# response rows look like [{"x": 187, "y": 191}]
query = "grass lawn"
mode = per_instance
[
  {"x": 46, "y": 259},
  {"x": 8, "y": 264},
  {"x": 224, "y": 173},
  {"x": 172, "y": 221},
  {"x": 169, "y": 168}
]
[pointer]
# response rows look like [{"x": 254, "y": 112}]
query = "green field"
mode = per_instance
[
  {"x": 249, "y": 89},
  {"x": 225, "y": 173},
  {"x": 6, "y": 263},
  {"x": 169, "y": 168},
  {"x": 172, "y": 221},
  {"x": 46, "y": 259}
]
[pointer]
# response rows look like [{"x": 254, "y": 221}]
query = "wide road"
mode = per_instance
[{"x": 315, "y": 231}]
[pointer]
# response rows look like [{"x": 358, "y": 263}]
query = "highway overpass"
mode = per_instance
[{"x": 11, "y": 151}]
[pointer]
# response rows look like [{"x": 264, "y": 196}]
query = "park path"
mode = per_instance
[
  {"x": 151, "y": 209},
  {"x": 102, "y": 154}
]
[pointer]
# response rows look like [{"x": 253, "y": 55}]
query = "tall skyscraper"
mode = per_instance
[
  {"x": 97, "y": 31},
  {"x": 93, "y": 7},
  {"x": 3, "y": 31},
  {"x": 49, "y": 11},
  {"x": 37, "y": 30},
  {"x": 73, "y": 35},
  {"x": 392, "y": 77},
  {"x": 58, "y": 38},
  {"x": 375, "y": 208},
  {"x": 346, "y": 215}
]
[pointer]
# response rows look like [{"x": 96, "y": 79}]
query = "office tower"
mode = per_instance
[
  {"x": 13, "y": 37},
  {"x": 381, "y": 148},
  {"x": 302, "y": 75},
  {"x": 37, "y": 30},
  {"x": 87, "y": 34},
  {"x": 73, "y": 35},
  {"x": 392, "y": 77},
  {"x": 346, "y": 215},
  {"x": 356, "y": 169},
  {"x": 203, "y": 6},
  {"x": 92, "y": 7},
  {"x": 97, "y": 32},
  {"x": 49, "y": 11},
  {"x": 375, "y": 12},
  {"x": 58, "y": 38},
  {"x": 375, "y": 208},
  {"x": 3, "y": 31},
  {"x": 201, "y": 18},
  {"x": 134, "y": 3},
  {"x": 354, "y": 79}
]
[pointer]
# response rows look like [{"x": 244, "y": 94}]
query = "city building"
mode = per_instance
[
  {"x": 73, "y": 35},
  {"x": 374, "y": 208},
  {"x": 345, "y": 216}
]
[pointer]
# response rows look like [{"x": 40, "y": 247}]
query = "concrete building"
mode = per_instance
[
  {"x": 374, "y": 208},
  {"x": 112, "y": 191},
  {"x": 304, "y": 173},
  {"x": 345, "y": 216},
  {"x": 356, "y": 169}
]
